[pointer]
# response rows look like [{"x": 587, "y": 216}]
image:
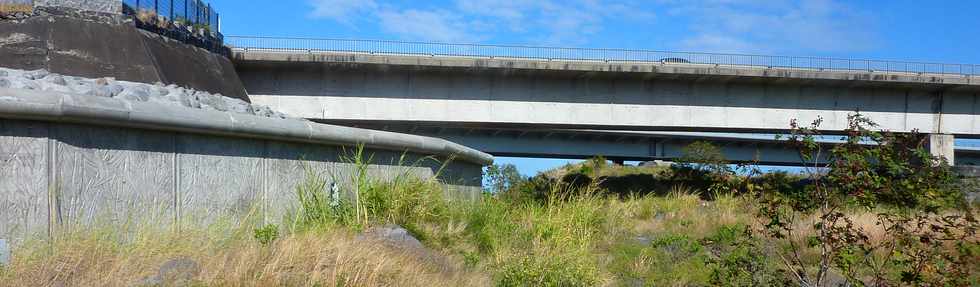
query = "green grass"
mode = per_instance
[{"x": 581, "y": 236}]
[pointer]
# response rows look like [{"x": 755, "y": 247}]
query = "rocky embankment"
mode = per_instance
[{"x": 42, "y": 80}]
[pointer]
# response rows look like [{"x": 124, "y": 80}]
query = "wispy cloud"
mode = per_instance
[
  {"x": 754, "y": 26},
  {"x": 432, "y": 25},
  {"x": 554, "y": 22},
  {"x": 775, "y": 26},
  {"x": 341, "y": 10},
  {"x": 539, "y": 21}
]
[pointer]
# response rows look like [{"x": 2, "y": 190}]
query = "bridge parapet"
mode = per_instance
[{"x": 265, "y": 49}]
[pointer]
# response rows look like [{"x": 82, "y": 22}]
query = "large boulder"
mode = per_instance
[
  {"x": 174, "y": 272},
  {"x": 392, "y": 235}
]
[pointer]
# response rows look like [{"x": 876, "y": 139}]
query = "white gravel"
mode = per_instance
[{"x": 111, "y": 88}]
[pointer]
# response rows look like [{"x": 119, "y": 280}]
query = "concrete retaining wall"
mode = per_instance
[
  {"x": 96, "y": 45},
  {"x": 68, "y": 159}
]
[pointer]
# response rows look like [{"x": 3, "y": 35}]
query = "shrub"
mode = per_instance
[
  {"x": 738, "y": 258},
  {"x": 267, "y": 234},
  {"x": 920, "y": 209}
]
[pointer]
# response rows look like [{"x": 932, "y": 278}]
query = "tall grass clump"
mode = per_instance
[
  {"x": 359, "y": 200},
  {"x": 551, "y": 242},
  {"x": 320, "y": 205}
]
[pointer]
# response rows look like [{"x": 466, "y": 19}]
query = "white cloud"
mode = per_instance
[
  {"x": 553, "y": 22},
  {"x": 341, "y": 10},
  {"x": 513, "y": 10},
  {"x": 435, "y": 25},
  {"x": 766, "y": 26},
  {"x": 755, "y": 26}
]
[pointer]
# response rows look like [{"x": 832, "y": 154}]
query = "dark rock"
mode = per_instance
[
  {"x": 174, "y": 272},
  {"x": 643, "y": 240},
  {"x": 392, "y": 235},
  {"x": 836, "y": 279},
  {"x": 398, "y": 238}
]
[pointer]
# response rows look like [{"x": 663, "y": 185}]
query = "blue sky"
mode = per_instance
[
  {"x": 943, "y": 31},
  {"x": 934, "y": 31}
]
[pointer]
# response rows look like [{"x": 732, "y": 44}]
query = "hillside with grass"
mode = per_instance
[{"x": 885, "y": 214}]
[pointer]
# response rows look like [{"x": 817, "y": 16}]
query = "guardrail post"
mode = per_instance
[
  {"x": 185, "y": 11},
  {"x": 156, "y": 7},
  {"x": 171, "y": 10}
]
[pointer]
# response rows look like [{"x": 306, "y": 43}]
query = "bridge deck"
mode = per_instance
[{"x": 667, "y": 69}]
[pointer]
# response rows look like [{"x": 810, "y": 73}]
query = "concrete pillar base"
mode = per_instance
[{"x": 942, "y": 146}]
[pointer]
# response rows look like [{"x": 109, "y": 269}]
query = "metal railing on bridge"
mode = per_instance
[{"x": 249, "y": 43}]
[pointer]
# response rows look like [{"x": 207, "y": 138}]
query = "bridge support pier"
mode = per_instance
[{"x": 942, "y": 146}]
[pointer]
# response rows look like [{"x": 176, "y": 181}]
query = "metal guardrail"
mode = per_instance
[
  {"x": 191, "y": 12},
  {"x": 245, "y": 43}
]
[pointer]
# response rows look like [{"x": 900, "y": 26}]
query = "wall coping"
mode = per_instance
[{"x": 73, "y": 108}]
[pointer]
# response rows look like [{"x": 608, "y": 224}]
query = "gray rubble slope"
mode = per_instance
[{"x": 109, "y": 87}]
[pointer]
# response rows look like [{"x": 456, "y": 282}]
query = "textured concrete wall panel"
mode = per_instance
[
  {"x": 219, "y": 177},
  {"x": 113, "y": 176},
  {"x": 287, "y": 166},
  {"x": 23, "y": 179}
]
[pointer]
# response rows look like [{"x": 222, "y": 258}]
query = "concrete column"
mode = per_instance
[{"x": 942, "y": 146}]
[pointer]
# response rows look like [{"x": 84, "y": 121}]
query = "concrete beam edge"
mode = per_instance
[{"x": 65, "y": 107}]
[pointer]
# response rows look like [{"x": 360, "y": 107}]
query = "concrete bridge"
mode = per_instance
[{"x": 601, "y": 101}]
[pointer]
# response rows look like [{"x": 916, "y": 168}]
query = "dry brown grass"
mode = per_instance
[
  {"x": 685, "y": 213},
  {"x": 333, "y": 258},
  {"x": 15, "y": 8}
]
